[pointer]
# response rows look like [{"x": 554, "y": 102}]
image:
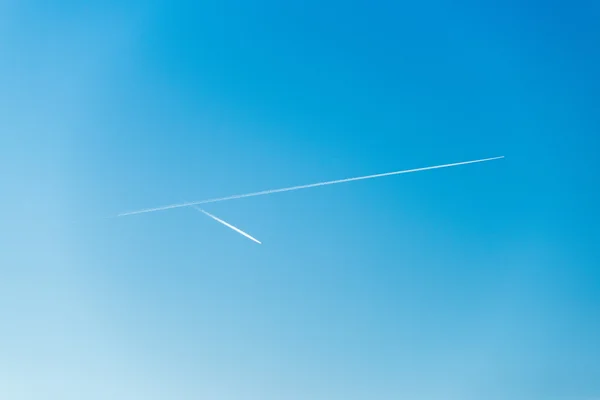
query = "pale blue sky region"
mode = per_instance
[{"x": 474, "y": 282}]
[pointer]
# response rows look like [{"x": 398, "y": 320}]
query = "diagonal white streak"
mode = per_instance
[
  {"x": 289, "y": 189},
  {"x": 241, "y": 232}
]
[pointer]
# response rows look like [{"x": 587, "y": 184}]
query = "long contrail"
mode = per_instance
[
  {"x": 241, "y": 232},
  {"x": 289, "y": 189}
]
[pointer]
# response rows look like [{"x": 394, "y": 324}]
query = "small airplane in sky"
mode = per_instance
[{"x": 195, "y": 204}]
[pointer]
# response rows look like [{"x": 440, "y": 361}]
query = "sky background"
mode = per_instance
[{"x": 475, "y": 282}]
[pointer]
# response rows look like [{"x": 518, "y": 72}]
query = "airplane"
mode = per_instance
[{"x": 195, "y": 204}]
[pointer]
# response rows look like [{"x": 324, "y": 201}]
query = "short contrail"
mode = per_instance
[
  {"x": 241, "y": 232},
  {"x": 265, "y": 192}
]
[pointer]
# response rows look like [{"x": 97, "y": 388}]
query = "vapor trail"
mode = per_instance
[
  {"x": 289, "y": 189},
  {"x": 241, "y": 232}
]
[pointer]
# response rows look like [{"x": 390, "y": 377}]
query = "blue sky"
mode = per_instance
[{"x": 474, "y": 282}]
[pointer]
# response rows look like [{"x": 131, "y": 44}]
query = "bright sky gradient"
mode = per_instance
[{"x": 475, "y": 282}]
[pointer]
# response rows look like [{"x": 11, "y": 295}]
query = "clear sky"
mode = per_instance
[{"x": 475, "y": 282}]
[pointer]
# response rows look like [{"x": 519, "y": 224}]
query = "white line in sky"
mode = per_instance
[
  {"x": 289, "y": 189},
  {"x": 241, "y": 232}
]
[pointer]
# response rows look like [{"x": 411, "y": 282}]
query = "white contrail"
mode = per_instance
[
  {"x": 241, "y": 232},
  {"x": 265, "y": 192}
]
